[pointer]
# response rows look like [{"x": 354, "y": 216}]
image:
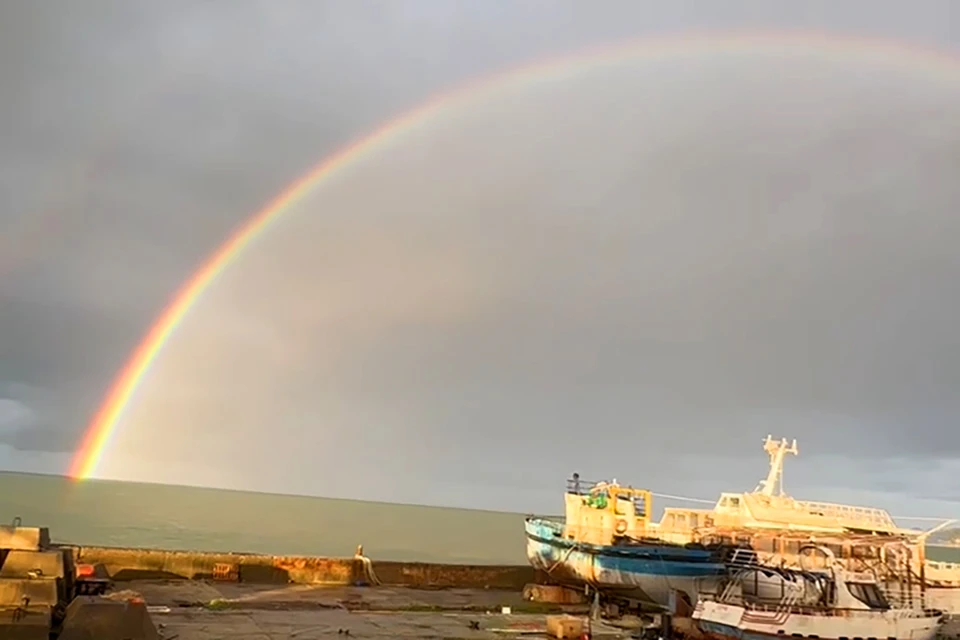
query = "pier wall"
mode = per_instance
[{"x": 138, "y": 564}]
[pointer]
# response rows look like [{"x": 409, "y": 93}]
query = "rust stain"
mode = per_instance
[{"x": 226, "y": 571}]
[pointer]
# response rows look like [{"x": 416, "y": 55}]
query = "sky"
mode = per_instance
[{"x": 636, "y": 268}]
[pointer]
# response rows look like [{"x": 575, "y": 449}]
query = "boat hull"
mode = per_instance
[
  {"x": 720, "y": 621},
  {"x": 652, "y": 574}
]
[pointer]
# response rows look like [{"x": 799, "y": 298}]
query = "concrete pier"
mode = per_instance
[{"x": 149, "y": 564}]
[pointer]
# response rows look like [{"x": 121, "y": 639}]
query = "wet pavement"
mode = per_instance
[
  {"x": 207, "y": 611},
  {"x": 197, "y": 610}
]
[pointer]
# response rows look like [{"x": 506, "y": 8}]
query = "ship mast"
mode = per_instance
[{"x": 774, "y": 479}]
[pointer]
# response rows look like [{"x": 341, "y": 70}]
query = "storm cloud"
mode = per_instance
[{"x": 633, "y": 268}]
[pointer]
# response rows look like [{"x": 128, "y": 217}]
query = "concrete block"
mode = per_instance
[
  {"x": 552, "y": 594},
  {"x": 20, "y": 564},
  {"x": 564, "y": 626},
  {"x": 25, "y": 538},
  {"x": 43, "y": 592},
  {"x": 20, "y": 625},
  {"x": 93, "y": 618}
]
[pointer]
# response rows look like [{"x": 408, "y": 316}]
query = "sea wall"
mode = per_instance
[{"x": 132, "y": 564}]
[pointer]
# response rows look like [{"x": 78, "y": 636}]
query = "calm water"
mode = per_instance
[
  {"x": 129, "y": 514},
  {"x": 943, "y": 554}
]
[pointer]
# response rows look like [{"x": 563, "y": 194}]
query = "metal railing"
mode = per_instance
[
  {"x": 902, "y": 596},
  {"x": 744, "y": 559},
  {"x": 847, "y": 512},
  {"x": 837, "y": 611},
  {"x": 580, "y": 487}
]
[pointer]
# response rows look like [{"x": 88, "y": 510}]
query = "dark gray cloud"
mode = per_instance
[
  {"x": 30, "y": 421},
  {"x": 673, "y": 258}
]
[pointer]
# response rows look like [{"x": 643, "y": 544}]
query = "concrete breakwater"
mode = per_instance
[{"x": 152, "y": 564}]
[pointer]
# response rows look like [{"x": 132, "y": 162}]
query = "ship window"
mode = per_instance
[
  {"x": 797, "y": 635},
  {"x": 640, "y": 506},
  {"x": 734, "y": 502},
  {"x": 868, "y": 594}
]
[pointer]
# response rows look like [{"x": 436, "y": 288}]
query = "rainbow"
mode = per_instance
[{"x": 104, "y": 423}]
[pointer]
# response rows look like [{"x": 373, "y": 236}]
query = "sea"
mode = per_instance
[{"x": 133, "y": 514}]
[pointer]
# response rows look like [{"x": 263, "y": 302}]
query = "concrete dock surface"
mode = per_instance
[{"x": 196, "y": 610}]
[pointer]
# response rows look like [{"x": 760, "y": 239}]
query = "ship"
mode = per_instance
[
  {"x": 605, "y": 541},
  {"x": 769, "y": 508},
  {"x": 756, "y": 602},
  {"x": 608, "y": 539},
  {"x": 776, "y": 526}
]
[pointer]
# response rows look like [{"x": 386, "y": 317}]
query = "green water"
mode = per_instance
[
  {"x": 943, "y": 554},
  {"x": 130, "y": 514}
]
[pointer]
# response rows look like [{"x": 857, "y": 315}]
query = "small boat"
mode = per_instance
[
  {"x": 757, "y": 601},
  {"x": 604, "y": 541}
]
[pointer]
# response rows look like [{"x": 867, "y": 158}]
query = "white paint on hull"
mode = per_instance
[
  {"x": 583, "y": 567},
  {"x": 713, "y": 617}
]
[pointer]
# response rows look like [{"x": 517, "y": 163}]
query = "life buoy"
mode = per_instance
[{"x": 621, "y": 527}]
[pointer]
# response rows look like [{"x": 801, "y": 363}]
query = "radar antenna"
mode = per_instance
[{"x": 774, "y": 479}]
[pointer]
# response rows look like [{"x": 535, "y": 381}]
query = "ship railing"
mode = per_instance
[
  {"x": 552, "y": 518},
  {"x": 801, "y": 609},
  {"x": 868, "y": 515},
  {"x": 727, "y": 594},
  {"x": 901, "y": 597},
  {"x": 596, "y": 535},
  {"x": 789, "y": 602},
  {"x": 580, "y": 487},
  {"x": 743, "y": 559},
  {"x": 577, "y": 531}
]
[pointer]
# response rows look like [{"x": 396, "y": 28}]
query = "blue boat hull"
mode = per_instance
[
  {"x": 720, "y": 631},
  {"x": 649, "y": 573}
]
